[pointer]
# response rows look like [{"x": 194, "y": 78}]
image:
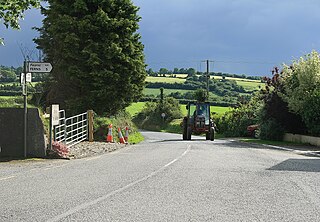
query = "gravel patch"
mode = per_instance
[{"x": 87, "y": 149}]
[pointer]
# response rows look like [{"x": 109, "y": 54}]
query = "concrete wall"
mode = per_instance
[
  {"x": 11, "y": 133},
  {"x": 289, "y": 137}
]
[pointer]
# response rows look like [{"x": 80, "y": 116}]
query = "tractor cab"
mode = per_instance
[{"x": 198, "y": 121}]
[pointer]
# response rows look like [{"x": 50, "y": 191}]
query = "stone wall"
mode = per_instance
[
  {"x": 289, "y": 137},
  {"x": 11, "y": 133}
]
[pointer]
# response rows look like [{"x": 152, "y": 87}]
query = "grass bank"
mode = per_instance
[{"x": 122, "y": 120}]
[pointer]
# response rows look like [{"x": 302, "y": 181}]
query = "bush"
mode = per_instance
[
  {"x": 235, "y": 122},
  {"x": 311, "y": 114},
  {"x": 271, "y": 130},
  {"x": 150, "y": 118},
  {"x": 301, "y": 89}
]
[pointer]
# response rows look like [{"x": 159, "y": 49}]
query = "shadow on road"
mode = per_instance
[
  {"x": 177, "y": 140},
  {"x": 305, "y": 165}
]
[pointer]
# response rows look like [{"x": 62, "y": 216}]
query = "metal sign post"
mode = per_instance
[
  {"x": 28, "y": 68},
  {"x": 25, "y": 113}
]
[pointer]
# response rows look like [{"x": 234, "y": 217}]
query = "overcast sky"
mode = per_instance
[{"x": 240, "y": 36}]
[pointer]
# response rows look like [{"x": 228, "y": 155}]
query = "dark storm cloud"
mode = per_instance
[
  {"x": 242, "y": 36},
  {"x": 244, "y": 31}
]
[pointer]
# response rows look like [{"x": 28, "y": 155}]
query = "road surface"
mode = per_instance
[{"x": 165, "y": 179}]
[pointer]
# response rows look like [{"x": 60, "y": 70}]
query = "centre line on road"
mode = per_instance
[
  {"x": 6, "y": 178},
  {"x": 93, "y": 158},
  {"x": 55, "y": 167},
  {"x": 93, "y": 202}
]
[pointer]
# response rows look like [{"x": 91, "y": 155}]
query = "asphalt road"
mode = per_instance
[{"x": 165, "y": 179}]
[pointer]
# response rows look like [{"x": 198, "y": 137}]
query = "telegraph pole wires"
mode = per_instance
[{"x": 208, "y": 75}]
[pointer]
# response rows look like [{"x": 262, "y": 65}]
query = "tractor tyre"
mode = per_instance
[
  {"x": 185, "y": 130},
  {"x": 208, "y": 135},
  {"x": 189, "y": 132},
  {"x": 212, "y": 133}
]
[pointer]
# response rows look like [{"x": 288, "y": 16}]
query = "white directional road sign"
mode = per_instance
[
  {"x": 29, "y": 78},
  {"x": 39, "y": 67}
]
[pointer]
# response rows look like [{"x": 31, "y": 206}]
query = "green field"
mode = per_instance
[
  {"x": 247, "y": 84},
  {"x": 219, "y": 110},
  {"x": 164, "y": 79},
  {"x": 156, "y": 92},
  {"x": 250, "y": 86},
  {"x": 138, "y": 107},
  {"x": 135, "y": 108}
]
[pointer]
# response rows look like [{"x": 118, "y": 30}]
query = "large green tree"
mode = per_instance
[
  {"x": 302, "y": 89},
  {"x": 11, "y": 11},
  {"x": 96, "y": 53}
]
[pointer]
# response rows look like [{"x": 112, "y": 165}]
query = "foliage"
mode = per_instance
[
  {"x": 135, "y": 138},
  {"x": 235, "y": 121},
  {"x": 271, "y": 129},
  {"x": 222, "y": 88},
  {"x": 310, "y": 115},
  {"x": 11, "y": 11},
  {"x": 11, "y": 101},
  {"x": 96, "y": 53},
  {"x": 200, "y": 95},
  {"x": 59, "y": 150},
  {"x": 276, "y": 108},
  {"x": 150, "y": 116},
  {"x": 7, "y": 74},
  {"x": 302, "y": 89},
  {"x": 122, "y": 120}
]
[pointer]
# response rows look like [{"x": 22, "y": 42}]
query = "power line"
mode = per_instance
[{"x": 216, "y": 61}]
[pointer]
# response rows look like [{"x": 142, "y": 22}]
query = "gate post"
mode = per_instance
[{"x": 90, "y": 125}]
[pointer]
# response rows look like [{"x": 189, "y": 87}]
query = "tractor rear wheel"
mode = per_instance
[
  {"x": 189, "y": 132},
  {"x": 211, "y": 133}
]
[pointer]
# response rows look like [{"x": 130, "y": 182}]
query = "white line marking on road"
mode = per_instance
[
  {"x": 54, "y": 167},
  {"x": 6, "y": 178},
  {"x": 93, "y": 158},
  {"x": 93, "y": 202}
]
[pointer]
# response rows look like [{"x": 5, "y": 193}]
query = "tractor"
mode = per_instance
[{"x": 198, "y": 121}]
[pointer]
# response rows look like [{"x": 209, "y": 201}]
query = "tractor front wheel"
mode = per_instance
[
  {"x": 185, "y": 130},
  {"x": 208, "y": 135}
]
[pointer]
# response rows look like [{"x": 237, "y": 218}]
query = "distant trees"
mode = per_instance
[
  {"x": 96, "y": 53},
  {"x": 200, "y": 95},
  {"x": 7, "y": 74},
  {"x": 192, "y": 72}
]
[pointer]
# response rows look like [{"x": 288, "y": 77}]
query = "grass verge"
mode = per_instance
[
  {"x": 135, "y": 138},
  {"x": 122, "y": 120}
]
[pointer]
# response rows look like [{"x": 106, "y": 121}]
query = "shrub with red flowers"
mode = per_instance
[{"x": 59, "y": 150}]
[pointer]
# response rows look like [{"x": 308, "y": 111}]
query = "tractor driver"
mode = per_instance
[{"x": 202, "y": 110}]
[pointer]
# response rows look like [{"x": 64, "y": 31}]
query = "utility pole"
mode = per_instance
[{"x": 208, "y": 76}]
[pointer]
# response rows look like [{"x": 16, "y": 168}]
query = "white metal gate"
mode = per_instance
[{"x": 71, "y": 130}]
